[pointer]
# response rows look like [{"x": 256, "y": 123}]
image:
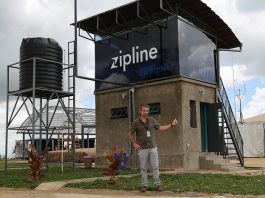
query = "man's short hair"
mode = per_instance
[{"x": 144, "y": 105}]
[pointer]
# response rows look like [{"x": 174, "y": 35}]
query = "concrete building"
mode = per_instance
[
  {"x": 179, "y": 146},
  {"x": 165, "y": 54}
]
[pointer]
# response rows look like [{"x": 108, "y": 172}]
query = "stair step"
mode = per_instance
[
  {"x": 232, "y": 154},
  {"x": 217, "y": 162}
]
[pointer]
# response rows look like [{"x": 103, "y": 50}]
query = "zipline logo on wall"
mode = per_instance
[{"x": 136, "y": 56}]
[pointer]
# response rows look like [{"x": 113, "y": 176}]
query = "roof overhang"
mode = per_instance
[{"x": 140, "y": 13}]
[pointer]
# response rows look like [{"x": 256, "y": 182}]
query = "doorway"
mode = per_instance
[
  {"x": 212, "y": 137},
  {"x": 204, "y": 136}
]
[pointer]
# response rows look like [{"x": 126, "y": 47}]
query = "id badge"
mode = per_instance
[{"x": 148, "y": 134}]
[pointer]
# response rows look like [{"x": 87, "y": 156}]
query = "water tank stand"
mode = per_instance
[{"x": 28, "y": 99}]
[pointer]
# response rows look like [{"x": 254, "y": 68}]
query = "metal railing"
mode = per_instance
[{"x": 231, "y": 122}]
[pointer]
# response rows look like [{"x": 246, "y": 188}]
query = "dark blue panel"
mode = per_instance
[
  {"x": 142, "y": 57},
  {"x": 161, "y": 52}
]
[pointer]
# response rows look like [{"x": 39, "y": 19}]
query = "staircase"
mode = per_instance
[
  {"x": 230, "y": 151},
  {"x": 232, "y": 137},
  {"x": 210, "y": 161}
]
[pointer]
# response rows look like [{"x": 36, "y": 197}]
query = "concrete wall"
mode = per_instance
[
  {"x": 110, "y": 132},
  {"x": 178, "y": 147},
  {"x": 198, "y": 92}
]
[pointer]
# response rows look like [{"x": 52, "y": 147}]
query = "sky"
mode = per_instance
[{"x": 242, "y": 72}]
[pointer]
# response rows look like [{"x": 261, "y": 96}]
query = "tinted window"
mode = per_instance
[{"x": 196, "y": 54}]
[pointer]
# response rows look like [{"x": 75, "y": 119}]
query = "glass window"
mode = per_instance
[
  {"x": 154, "y": 109},
  {"x": 119, "y": 112}
]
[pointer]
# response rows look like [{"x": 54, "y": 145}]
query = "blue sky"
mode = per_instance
[{"x": 52, "y": 18}]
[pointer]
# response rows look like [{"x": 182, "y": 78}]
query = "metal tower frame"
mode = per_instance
[{"x": 29, "y": 96}]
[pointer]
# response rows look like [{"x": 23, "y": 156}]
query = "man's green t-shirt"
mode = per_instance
[{"x": 145, "y": 132}]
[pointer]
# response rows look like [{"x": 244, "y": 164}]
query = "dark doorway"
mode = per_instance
[
  {"x": 204, "y": 138},
  {"x": 212, "y": 137}
]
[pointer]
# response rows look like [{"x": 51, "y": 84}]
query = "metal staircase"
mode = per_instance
[{"x": 232, "y": 137}]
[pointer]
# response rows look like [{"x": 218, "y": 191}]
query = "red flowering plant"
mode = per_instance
[
  {"x": 35, "y": 162},
  {"x": 114, "y": 160}
]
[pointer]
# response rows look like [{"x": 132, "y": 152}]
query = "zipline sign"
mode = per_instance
[
  {"x": 138, "y": 58},
  {"x": 135, "y": 57}
]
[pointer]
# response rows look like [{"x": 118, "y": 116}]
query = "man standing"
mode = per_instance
[{"x": 145, "y": 144}]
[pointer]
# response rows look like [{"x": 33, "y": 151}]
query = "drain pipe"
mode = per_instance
[
  {"x": 129, "y": 122},
  {"x": 131, "y": 118}
]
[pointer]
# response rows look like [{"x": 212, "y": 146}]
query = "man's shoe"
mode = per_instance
[
  {"x": 159, "y": 189},
  {"x": 144, "y": 188}
]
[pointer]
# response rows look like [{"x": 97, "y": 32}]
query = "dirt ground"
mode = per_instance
[
  {"x": 255, "y": 162},
  {"x": 79, "y": 193}
]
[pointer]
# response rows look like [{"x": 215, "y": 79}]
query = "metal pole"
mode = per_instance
[
  {"x": 62, "y": 152},
  {"x": 83, "y": 139},
  {"x": 23, "y": 146},
  {"x": 88, "y": 140},
  {"x": 47, "y": 130},
  {"x": 74, "y": 129},
  {"x": 75, "y": 43},
  {"x": 40, "y": 146},
  {"x": 58, "y": 139},
  {"x": 7, "y": 104},
  {"x": 33, "y": 95},
  {"x": 240, "y": 107},
  {"x": 75, "y": 71}
]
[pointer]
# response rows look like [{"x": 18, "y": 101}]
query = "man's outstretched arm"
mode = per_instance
[{"x": 165, "y": 127}]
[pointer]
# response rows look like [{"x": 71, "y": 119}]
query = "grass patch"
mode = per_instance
[
  {"x": 19, "y": 178},
  {"x": 193, "y": 182},
  {"x": 1, "y": 163}
]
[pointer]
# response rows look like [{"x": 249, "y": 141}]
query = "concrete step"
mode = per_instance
[
  {"x": 216, "y": 162},
  {"x": 217, "y": 159}
]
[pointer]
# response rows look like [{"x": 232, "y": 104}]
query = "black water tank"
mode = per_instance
[{"x": 48, "y": 75}]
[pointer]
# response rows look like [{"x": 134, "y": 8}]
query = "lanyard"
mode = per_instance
[{"x": 145, "y": 125}]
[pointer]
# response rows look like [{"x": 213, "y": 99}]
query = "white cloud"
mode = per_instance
[
  {"x": 257, "y": 104},
  {"x": 251, "y": 6},
  {"x": 235, "y": 76}
]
